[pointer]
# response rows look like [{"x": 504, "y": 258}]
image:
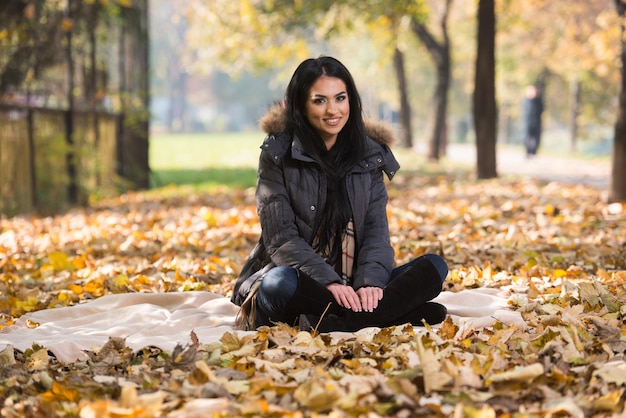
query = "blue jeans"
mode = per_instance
[{"x": 280, "y": 284}]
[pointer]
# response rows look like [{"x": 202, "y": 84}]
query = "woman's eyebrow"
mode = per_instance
[{"x": 323, "y": 96}]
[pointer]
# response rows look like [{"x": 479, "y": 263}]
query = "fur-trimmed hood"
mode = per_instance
[{"x": 274, "y": 122}]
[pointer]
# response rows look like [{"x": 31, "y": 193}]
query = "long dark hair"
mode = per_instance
[{"x": 335, "y": 163}]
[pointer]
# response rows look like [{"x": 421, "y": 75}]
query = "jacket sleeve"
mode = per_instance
[
  {"x": 375, "y": 255},
  {"x": 283, "y": 239}
]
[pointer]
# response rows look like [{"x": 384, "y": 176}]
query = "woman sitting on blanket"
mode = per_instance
[{"x": 324, "y": 258}]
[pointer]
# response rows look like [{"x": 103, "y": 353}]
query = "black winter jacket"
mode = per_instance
[{"x": 291, "y": 193}]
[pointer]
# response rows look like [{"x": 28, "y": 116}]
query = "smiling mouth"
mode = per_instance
[{"x": 333, "y": 121}]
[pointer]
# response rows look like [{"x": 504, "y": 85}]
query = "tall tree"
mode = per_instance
[
  {"x": 69, "y": 113},
  {"x": 440, "y": 53},
  {"x": 485, "y": 92},
  {"x": 135, "y": 94},
  {"x": 617, "y": 192},
  {"x": 405, "y": 105}
]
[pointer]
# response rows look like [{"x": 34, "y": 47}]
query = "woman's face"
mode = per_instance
[{"x": 328, "y": 108}]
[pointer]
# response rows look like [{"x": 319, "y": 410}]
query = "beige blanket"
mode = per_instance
[{"x": 166, "y": 319}]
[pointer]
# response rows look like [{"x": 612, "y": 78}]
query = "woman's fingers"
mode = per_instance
[
  {"x": 366, "y": 298},
  {"x": 369, "y": 297},
  {"x": 346, "y": 296}
]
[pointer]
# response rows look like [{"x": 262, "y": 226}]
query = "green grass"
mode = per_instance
[{"x": 205, "y": 161}]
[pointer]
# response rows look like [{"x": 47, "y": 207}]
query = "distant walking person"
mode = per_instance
[{"x": 533, "y": 108}]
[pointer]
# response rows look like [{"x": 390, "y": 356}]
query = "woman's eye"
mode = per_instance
[
  {"x": 341, "y": 98},
  {"x": 318, "y": 101}
]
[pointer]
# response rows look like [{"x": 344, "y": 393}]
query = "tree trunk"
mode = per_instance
[
  {"x": 92, "y": 87},
  {"x": 573, "y": 113},
  {"x": 485, "y": 92},
  {"x": 133, "y": 156},
  {"x": 141, "y": 90},
  {"x": 406, "y": 137},
  {"x": 440, "y": 132},
  {"x": 617, "y": 192},
  {"x": 120, "y": 146},
  {"x": 440, "y": 53},
  {"x": 72, "y": 188}
]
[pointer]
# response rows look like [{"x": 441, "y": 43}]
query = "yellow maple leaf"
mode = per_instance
[
  {"x": 121, "y": 280},
  {"x": 58, "y": 392},
  {"x": 448, "y": 329},
  {"x": 211, "y": 219},
  {"x": 76, "y": 289},
  {"x": 60, "y": 261},
  {"x": 28, "y": 305},
  {"x": 609, "y": 401},
  {"x": 80, "y": 262},
  {"x": 94, "y": 287}
]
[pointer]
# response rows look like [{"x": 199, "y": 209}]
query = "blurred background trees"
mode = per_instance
[
  {"x": 74, "y": 100},
  {"x": 217, "y": 65},
  {"x": 569, "y": 50}
]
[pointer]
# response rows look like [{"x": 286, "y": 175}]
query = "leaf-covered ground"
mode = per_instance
[{"x": 560, "y": 249}]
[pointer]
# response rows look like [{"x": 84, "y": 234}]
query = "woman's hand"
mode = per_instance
[
  {"x": 369, "y": 297},
  {"x": 345, "y": 296},
  {"x": 364, "y": 299}
]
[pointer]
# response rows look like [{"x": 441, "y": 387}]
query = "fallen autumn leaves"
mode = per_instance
[{"x": 559, "y": 249}]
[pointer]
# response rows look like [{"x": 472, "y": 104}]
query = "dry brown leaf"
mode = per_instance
[{"x": 559, "y": 250}]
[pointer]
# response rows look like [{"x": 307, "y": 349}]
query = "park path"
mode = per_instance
[{"x": 561, "y": 168}]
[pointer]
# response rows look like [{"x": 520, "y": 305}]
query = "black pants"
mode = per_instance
[{"x": 280, "y": 283}]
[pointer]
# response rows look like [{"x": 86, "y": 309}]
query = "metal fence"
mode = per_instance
[{"x": 42, "y": 170}]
